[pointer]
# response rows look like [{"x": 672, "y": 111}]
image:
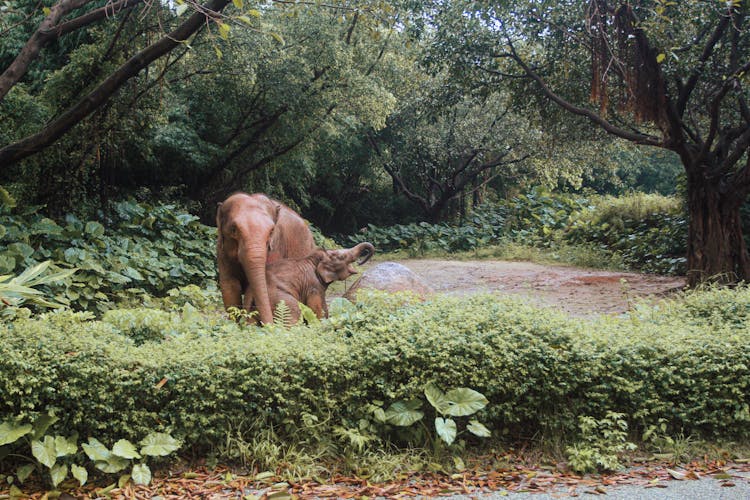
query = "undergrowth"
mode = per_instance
[
  {"x": 633, "y": 232},
  {"x": 680, "y": 368}
]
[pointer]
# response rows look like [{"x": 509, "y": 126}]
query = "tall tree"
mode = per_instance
[
  {"x": 284, "y": 95},
  {"x": 444, "y": 143},
  {"x": 54, "y": 23},
  {"x": 672, "y": 75}
]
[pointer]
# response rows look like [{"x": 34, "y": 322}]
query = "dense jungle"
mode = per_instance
[{"x": 541, "y": 148}]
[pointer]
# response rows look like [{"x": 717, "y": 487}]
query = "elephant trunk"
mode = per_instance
[
  {"x": 253, "y": 259},
  {"x": 363, "y": 251}
]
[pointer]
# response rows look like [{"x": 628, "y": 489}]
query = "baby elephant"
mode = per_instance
[{"x": 306, "y": 279}]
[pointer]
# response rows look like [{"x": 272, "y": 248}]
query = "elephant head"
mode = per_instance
[
  {"x": 255, "y": 230},
  {"x": 337, "y": 265}
]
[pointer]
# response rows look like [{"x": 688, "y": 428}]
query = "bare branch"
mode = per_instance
[
  {"x": 597, "y": 119},
  {"x": 708, "y": 49}
]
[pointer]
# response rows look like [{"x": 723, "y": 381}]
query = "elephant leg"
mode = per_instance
[
  {"x": 317, "y": 302},
  {"x": 231, "y": 292}
]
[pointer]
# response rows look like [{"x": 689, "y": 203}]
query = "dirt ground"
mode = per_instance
[{"x": 579, "y": 292}]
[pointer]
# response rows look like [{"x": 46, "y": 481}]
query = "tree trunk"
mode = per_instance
[{"x": 716, "y": 248}]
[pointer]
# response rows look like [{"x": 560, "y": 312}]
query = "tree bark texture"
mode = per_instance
[{"x": 716, "y": 247}]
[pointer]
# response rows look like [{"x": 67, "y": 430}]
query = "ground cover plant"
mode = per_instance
[
  {"x": 633, "y": 232},
  {"x": 681, "y": 368},
  {"x": 136, "y": 248}
]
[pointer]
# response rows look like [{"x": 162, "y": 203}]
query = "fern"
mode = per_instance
[{"x": 282, "y": 315}]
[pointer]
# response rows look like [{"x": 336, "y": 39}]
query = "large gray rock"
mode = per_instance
[{"x": 389, "y": 277}]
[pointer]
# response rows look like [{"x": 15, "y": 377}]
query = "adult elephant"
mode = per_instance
[{"x": 253, "y": 230}]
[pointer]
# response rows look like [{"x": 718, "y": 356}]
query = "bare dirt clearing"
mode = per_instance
[{"x": 579, "y": 292}]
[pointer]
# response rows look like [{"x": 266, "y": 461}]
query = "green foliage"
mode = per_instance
[
  {"x": 60, "y": 455},
  {"x": 647, "y": 231},
  {"x": 15, "y": 291},
  {"x": 637, "y": 231},
  {"x": 142, "y": 248},
  {"x": 458, "y": 402},
  {"x": 485, "y": 227},
  {"x": 679, "y": 365},
  {"x": 601, "y": 443}
]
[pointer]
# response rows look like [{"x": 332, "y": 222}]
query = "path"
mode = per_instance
[{"x": 578, "y": 291}]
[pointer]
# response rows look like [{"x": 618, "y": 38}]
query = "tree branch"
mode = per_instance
[
  {"x": 58, "y": 127},
  {"x": 597, "y": 119},
  {"x": 39, "y": 39},
  {"x": 708, "y": 49},
  {"x": 50, "y": 30}
]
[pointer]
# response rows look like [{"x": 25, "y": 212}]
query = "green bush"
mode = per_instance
[
  {"x": 648, "y": 231},
  {"x": 638, "y": 231},
  {"x": 531, "y": 218},
  {"x": 485, "y": 227},
  {"x": 682, "y": 366},
  {"x": 136, "y": 247}
]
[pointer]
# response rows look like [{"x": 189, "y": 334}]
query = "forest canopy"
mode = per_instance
[{"x": 359, "y": 112}]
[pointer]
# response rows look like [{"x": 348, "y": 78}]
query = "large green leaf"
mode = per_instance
[
  {"x": 159, "y": 444},
  {"x": 65, "y": 446},
  {"x": 446, "y": 429},
  {"x": 44, "y": 451},
  {"x": 437, "y": 398},
  {"x": 404, "y": 413},
  {"x": 94, "y": 229},
  {"x": 30, "y": 274},
  {"x": 80, "y": 473},
  {"x": 125, "y": 449},
  {"x": 7, "y": 263},
  {"x": 464, "y": 401},
  {"x": 24, "y": 471},
  {"x": 11, "y": 432},
  {"x": 96, "y": 451},
  {"x": 42, "y": 423},
  {"x": 478, "y": 429},
  {"x": 112, "y": 465},
  {"x": 141, "y": 474},
  {"x": 340, "y": 306},
  {"x": 58, "y": 473}
]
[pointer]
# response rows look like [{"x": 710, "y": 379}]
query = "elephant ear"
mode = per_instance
[{"x": 325, "y": 271}]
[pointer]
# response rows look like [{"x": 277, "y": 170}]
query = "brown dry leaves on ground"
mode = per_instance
[{"x": 222, "y": 483}]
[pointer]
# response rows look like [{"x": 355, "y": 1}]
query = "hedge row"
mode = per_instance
[{"x": 687, "y": 365}]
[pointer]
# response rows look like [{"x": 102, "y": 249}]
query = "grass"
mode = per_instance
[{"x": 568, "y": 255}]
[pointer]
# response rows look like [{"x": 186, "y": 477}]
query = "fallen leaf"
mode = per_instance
[{"x": 680, "y": 476}]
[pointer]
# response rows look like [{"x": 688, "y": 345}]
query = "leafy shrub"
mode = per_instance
[
  {"x": 54, "y": 456},
  {"x": 17, "y": 290},
  {"x": 540, "y": 370},
  {"x": 537, "y": 216},
  {"x": 648, "y": 231},
  {"x": 638, "y": 231},
  {"x": 601, "y": 443},
  {"x": 142, "y": 247}
]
